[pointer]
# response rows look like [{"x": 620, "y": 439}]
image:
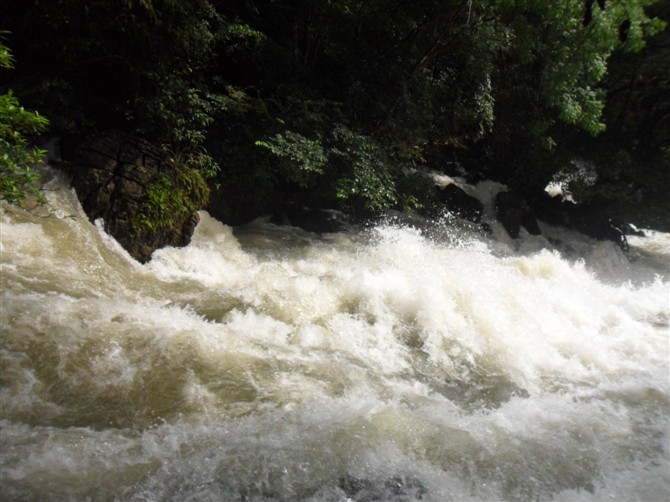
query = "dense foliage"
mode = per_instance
[
  {"x": 338, "y": 102},
  {"x": 167, "y": 201},
  {"x": 18, "y": 176}
]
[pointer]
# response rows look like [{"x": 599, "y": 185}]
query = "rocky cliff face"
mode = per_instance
[{"x": 111, "y": 175}]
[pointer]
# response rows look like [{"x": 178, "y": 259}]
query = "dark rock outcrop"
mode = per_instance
[
  {"x": 513, "y": 212},
  {"x": 594, "y": 220},
  {"x": 457, "y": 201},
  {"x": 313, "y": 220},
  {"x": 110, "y": 174}
]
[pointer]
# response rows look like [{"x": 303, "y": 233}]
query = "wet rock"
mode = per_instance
[
  {"x": 601, "y": 227},
  {"x": 110, "y": 174},
  {"x": 553, "y": 210},
  {"x": 513, "y": 212},
  {"x": 457, "y": 201},
  {"x": 314, "y": 220},
  {"x": 593, "y": 220}
]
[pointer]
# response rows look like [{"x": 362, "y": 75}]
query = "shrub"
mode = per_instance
[{"x": 18, "y": 177}]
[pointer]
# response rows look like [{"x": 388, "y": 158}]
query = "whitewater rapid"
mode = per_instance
[{"x": 409, "y": 360}]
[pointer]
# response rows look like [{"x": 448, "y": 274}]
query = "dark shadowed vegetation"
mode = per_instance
[{"x": 337, "y": 103}]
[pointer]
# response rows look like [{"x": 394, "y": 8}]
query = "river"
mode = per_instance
[{"x": 409, "y": 360}]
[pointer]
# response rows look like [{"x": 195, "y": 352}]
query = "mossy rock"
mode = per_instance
[{"x": 145, "y": 200}]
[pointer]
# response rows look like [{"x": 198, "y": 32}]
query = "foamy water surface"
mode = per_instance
[{"x": 403, "y": 361}]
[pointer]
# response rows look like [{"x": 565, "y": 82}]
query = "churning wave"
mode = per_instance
[{"x": 409, "y": 360}]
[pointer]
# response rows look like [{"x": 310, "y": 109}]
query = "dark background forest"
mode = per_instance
[{"x": 341, "y": 103}]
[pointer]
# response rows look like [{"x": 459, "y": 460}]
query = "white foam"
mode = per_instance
[{"x": 416, "y": 358}]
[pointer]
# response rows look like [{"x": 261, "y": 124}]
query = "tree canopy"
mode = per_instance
[{"x": 336, "y": 101}]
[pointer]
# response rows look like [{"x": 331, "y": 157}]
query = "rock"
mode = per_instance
[
  {"x": 513, "y": 213},
  {"x": 593, "y": 220},
  {"x": 553, "y": 210},
  {"x": 111, "y": 174},
  {"x": 593, "y": 223},
  {"x": 314, "y": 220},
  {"x": 460, "y": 203}
]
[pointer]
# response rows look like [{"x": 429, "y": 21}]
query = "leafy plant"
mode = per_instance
[
  {"x": 365, "y": 172},
  {"x": 303, "y": 157},
  {"x": 327, "y": 101},
  {"x": 18, "y": 177},
  {"x": 169, "y": 200}
]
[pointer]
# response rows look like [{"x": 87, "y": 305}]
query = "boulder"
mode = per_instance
[
  {"x": 598, "y": 221},
  {"x": 552, "y": 209},
  {"x": 314, "y": 220},
  {"x": 111, "y": 174},
  {"x": 513, "y": 212},
  {"x": 457, "y": 201},
  {"x": 590, "y": 221}
]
